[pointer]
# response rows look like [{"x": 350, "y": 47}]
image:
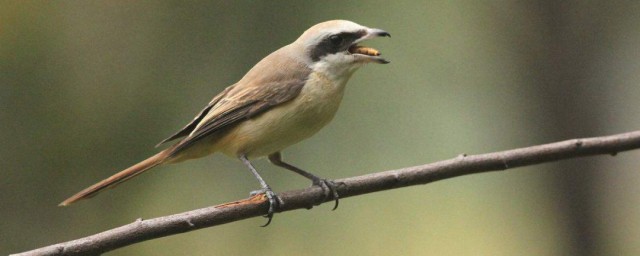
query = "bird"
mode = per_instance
[{"x": 285, "y": 98}]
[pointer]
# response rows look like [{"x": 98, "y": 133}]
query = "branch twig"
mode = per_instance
[{"x": 142, "y": 230}]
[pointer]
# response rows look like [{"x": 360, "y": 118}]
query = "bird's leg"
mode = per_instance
[
  {"x": 274, "y": 200},
  {"x": 327, "y": 186}
]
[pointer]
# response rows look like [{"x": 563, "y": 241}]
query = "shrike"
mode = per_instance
[{"x": 285, "y": 98}]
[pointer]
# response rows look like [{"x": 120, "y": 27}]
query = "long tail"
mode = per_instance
[{"x": 117, "y": 178}]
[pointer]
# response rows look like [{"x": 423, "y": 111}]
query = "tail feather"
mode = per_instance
[{"x": 117, "y": 178}]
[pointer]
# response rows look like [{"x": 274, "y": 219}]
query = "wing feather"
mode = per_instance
[
  {"x": 276, "y": 79},
  {"x": 242, "y": 107},
  {"x": 187, "y": 129}
]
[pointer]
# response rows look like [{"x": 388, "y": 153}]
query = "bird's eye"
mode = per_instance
[{"x": 335, "y": 39}]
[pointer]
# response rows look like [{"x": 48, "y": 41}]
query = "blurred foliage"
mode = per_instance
[{"x": 88, "y": 87}]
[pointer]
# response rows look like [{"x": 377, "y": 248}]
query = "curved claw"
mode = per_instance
[
  {"x": 274, "y": 203},
  {"x": 328, "y": 186}
]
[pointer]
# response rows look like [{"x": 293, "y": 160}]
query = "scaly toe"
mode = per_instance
[
  {"x": 330, "y": 189},
  {"x": 274, "y": 203}
]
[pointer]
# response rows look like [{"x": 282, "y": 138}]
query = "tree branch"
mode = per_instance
[{"x": 142, "y": 230}]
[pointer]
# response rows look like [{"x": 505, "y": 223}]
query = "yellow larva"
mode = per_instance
[{"x": 367, "y": 51}]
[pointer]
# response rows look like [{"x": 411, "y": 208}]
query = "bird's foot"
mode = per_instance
[
  {"x": 274, "y": 202},
  {"x": 329, "y": 188}
]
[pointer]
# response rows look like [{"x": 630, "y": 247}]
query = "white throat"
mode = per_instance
[{"x": 336, "y": 69}]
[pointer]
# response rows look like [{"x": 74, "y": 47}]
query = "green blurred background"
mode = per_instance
[{"x": 87, "y": 88}]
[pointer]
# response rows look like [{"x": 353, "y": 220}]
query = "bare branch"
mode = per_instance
[{"x": 142, "y": 230}]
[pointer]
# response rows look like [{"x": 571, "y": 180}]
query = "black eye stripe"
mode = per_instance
[
  {"x": 346, "y": 37},
  {"x": 336, "y": 39},
  {"x": 331, "y": 45}
]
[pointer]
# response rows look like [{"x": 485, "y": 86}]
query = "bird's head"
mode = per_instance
[{"x": 333, "y": 46}]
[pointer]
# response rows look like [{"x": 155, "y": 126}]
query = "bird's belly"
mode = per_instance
[{"x": 286, "y": 124}]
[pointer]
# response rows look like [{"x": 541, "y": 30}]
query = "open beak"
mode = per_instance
[{"x": 365, "y": 53}]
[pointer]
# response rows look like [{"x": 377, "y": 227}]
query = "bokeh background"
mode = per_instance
[{"x": 88, "y": 87}]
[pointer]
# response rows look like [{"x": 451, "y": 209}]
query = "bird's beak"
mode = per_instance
[{"x": 368, "y": 54}]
